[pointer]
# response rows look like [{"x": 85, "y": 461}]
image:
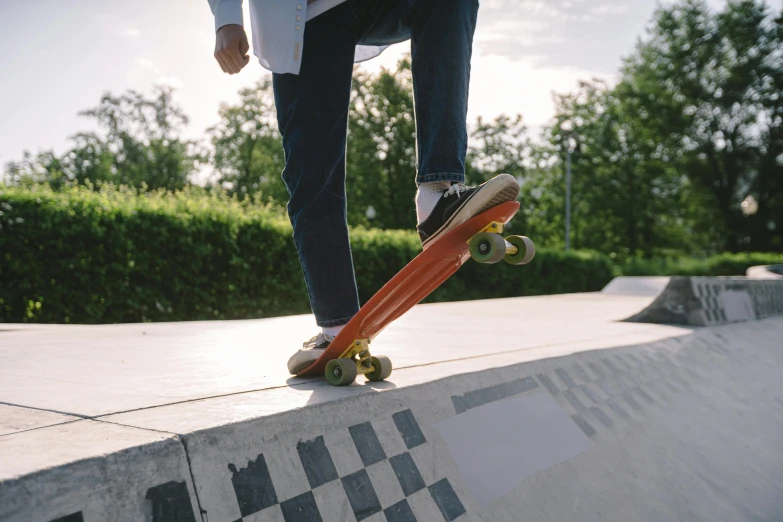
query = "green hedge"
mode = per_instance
[
  {"x": 80, "y": 256},
  {"x": 719, "y": 265}
]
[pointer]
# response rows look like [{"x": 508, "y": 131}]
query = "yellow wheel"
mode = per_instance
[
  {"x": 486, "y": 247},
  {"x": 383, "y": 368},
  {"x": 340, "y": 372},
  {"x": 526, "y": 250}
]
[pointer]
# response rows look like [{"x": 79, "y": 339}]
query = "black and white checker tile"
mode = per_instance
[
  {"x": 349, "y": 475},
  {"x": 596, "y": 392},
  {"x": 168, "y": 502},
  {"x": 766, "y": 296}
]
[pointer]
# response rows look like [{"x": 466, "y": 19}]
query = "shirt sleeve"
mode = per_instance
[{"x": 226, "y": 12}]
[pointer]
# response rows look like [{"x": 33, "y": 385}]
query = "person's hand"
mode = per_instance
[{"x": 231, "y": 48}]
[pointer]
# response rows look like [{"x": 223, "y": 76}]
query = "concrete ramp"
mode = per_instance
[
  {"x": 661, "y": 431},
  {"x": 765, "y": 272},
  {"x": 642, "y": 286},
  {"x": 628, "y": 423},
  {"x": 712, "y": 301}
]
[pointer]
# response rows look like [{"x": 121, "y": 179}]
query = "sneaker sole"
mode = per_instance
[
  {"x": 298, "y": 368},
  {"x": 484, "y": 199},
  {"x": 304, "y": 363}
]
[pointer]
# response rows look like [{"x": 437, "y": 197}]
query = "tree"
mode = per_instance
[
  {"x": 248, "y": 153},
  {"x": 500, "y": 146},
  {"x": 44, "y": 167},
  {"x": 381, "y": 166},
  {"x": 381, "y": 151},
  {"x": 664, "y": 158},
  {"x": 139, "y": 146},
  {"x": 710, "y": 84},
  {"x": 142, "y": 137},
  {"x": 624, "y": 197}
]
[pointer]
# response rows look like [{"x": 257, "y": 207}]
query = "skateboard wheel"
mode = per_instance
[
  {"x": 383, "y": 368},
  {"x": 486, "y": 247},
  {"x": 340, "y": 372},
  {"x": 526, "y": 250}
]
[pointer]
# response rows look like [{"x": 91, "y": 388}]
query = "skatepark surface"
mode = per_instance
[{"x": 535, "y": 408}]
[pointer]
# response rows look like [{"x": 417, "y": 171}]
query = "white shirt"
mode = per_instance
[{"x": 278, "y": 29}]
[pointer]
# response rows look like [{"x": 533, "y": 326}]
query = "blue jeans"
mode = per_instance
[{"x": 312, "y": 113}]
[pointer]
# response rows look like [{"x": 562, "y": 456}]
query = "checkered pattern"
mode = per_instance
[
  {"x": 766, "y": 296},
  {"x": 367, "y": 472},
  {"x": 600, "y": 392},
  {"x": 699, "y": 301},
  {"x": 168, "y": 502},
  {"x": 708, "y": 292},
  {"x": 597, "y": 392}
]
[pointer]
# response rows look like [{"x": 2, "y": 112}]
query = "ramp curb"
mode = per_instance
[
  {"x": 714, "y": 301},
  {"x": 614, "y": 428}
]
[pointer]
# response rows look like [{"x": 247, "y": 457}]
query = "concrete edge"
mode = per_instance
[
  {"x": 713, "y": 301},
  {"x": 121, "y": 472}
]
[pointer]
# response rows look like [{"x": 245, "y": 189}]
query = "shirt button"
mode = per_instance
[
  {"x": 298, "y": 27},
  {"x": 298, "y": 18},
  {"x": 299, "y": 7}
]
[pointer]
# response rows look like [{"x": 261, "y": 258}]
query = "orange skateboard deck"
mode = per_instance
[{"x": 418, "y": 279}]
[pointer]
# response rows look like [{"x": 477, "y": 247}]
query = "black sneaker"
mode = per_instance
[
  {"x": 460, "y": 203},
  {"x": 311, "y": 350}
]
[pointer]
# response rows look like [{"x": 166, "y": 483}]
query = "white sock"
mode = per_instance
[
  {"x": 332, "y": 331},
  {"x": 427, "y": 197}
]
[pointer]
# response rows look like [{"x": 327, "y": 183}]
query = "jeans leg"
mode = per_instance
[
  {"x": 312, "y": 113},
  {"x": 441, "y": 47}
]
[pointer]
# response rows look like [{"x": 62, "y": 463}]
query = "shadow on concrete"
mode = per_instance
[{"x": 325, "y": 392}]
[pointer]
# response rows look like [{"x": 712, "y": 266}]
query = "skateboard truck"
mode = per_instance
[
  {"x": 489, "y": 246},
  {"x": 356, "y": 359}
]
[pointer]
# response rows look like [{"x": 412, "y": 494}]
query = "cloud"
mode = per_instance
[
  {"x": 146, "y": 63},
  {"x": 142, "y": 73},
  {"x": 611, "y": 9},
  {"x": 132, "y": 32},
  {"x": 170, "y": 81},
  {"x": 502, "y": 84},
  {"x": 570, "y": 33},
  {"x": 205, "y": 39},
  {"x": 525, "y": 33}
]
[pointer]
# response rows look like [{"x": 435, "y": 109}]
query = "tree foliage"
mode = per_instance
[
  {"x": 248, "y": 157},
  {"x": 382, "y": 149},
  {"x": 625, "y": 193},
  {"x": 661, "y": 160},
  {"x": 139, "y": 145},
  {"x": 709, "y": 86}
]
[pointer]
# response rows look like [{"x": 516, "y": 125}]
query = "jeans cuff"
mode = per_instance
[
  {"x": 333, "y": 322},
  {"x": 454, "y": 177}
]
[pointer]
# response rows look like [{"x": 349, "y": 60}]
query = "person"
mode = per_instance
[{"x": 310, "y": 46}]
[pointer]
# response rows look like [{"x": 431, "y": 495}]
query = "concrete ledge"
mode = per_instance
[
  {"x": 94, "y": 471},
  {"x": 682, "y": 428},
  {"x": 14, "y": 419},
  {"x": 765, "y": 272},
  {"x": 712, "y": 301},
  {"x": 630, "y": 285}
]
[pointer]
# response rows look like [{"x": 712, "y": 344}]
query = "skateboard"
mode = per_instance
[{"x": 479, "y": 238}]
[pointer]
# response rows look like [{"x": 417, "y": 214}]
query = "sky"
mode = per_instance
[{"x": 57, "y": 58}]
